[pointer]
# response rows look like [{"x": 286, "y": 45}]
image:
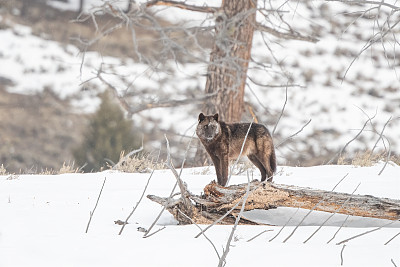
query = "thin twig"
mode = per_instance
[
  {"x": 367, "y": 232},
  {"x": 396, "y": 235},
  {"x": 394, "y": 264},
  {"x": 315, "y": 206},
  {"x": 387, "y": 158},
  {"x": 226, "y": 251},
  {"x": 97, "y": 202},
  {"x": 155, "y": 232},
  {"x": 257, "y": 235},
  {"x": 172, "y": 191},
  {"x": 287, "y": 222},
  {"x": 141, "y": 197},
  {"x": 293, "y": 135},
  {"x": 169, "y": 164},
  {"x": 208, "y": 239},
  {"x": 333, "y": 237},
  {"x": 341, "y": 254},
  {"x": 227, "y": 213},
  {"x": 354, "y": 138},
  {"x": 283, "y": 109},
  {"x": 336, "y": 211},
  {"x": 241, "y": 151}
]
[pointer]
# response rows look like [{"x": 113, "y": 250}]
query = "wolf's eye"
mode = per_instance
[{"x": 206, "y": 127}]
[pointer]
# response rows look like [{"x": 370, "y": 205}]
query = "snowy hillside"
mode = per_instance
[
  {"x": 338, "y": 105},
  {"x": 43, "y": 221}
]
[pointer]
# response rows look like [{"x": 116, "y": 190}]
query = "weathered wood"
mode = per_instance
[{"x": 218, "y": 200}]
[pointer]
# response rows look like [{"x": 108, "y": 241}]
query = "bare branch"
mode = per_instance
[
  {"x": 161, "y": 104},
  {"x": 380, "y": 3},
  {"x": 293, "y": 135},
  {"x": 182, "y": 5},
  {"x": 371, "y": 42},
  {"x": 284, "y": 35},
  {"x": 381, "y": 134}
]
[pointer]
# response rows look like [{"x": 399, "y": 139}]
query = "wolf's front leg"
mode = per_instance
[
  {"x": 224, "y": 163},
  {"x": 217, "y": 165}
]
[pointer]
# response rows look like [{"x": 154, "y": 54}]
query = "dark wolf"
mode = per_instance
[{"x": 223, "y": 142}]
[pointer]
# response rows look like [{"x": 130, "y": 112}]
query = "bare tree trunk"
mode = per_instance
[
  {"x": 218, "y": 200},
  {"x": 81, "y": 3},
  {"x": 229, "y": 59}
]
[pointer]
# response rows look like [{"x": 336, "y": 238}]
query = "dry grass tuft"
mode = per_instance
[
  {"x": 66, "y": 168},
  {"x": 138, "y": 163},
  {"x": 3, "y": 170},
  {"x": 367, "y": 159}
]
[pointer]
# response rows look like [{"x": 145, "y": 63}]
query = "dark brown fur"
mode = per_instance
[{"x": 224, "y": 141}]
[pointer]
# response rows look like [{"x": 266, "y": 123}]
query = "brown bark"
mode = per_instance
[
  {"x": 217, "y": 200},
  {"x": 229, "y": 59}
]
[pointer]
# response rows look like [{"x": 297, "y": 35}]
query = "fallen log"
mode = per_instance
[{"x": 218, "y": 201}]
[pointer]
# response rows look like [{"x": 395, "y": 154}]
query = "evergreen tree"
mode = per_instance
[{"x": 109, "y": 133}]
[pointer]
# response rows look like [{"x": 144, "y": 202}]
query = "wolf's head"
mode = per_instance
[{"x": 208, "y": 127}]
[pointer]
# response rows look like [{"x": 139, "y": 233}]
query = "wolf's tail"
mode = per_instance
[{"x": 272, "y": 160}]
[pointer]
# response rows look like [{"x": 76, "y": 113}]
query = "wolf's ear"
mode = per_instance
[
  {"x": 201, "y": 117},
  {"x": 216, "y": 117}
]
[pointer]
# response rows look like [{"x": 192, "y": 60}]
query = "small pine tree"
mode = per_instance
[{"x": 108, "y": 134}]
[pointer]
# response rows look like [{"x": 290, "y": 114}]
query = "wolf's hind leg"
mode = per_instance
[
  {"x": 259, "y": 165},
  {"x": 265, "y": 160}
]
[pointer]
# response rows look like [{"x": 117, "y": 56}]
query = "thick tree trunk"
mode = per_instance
[
  {"x": 217, "y": 200},
  {"x": 230, "y": 58}
]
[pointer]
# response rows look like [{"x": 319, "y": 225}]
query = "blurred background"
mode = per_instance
[{"x": 83, "y": 80}]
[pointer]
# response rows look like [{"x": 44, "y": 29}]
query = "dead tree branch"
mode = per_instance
[{"x": 217, "y": 201}]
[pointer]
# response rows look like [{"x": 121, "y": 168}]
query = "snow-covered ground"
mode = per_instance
[{"x": 44, "y": 217}]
